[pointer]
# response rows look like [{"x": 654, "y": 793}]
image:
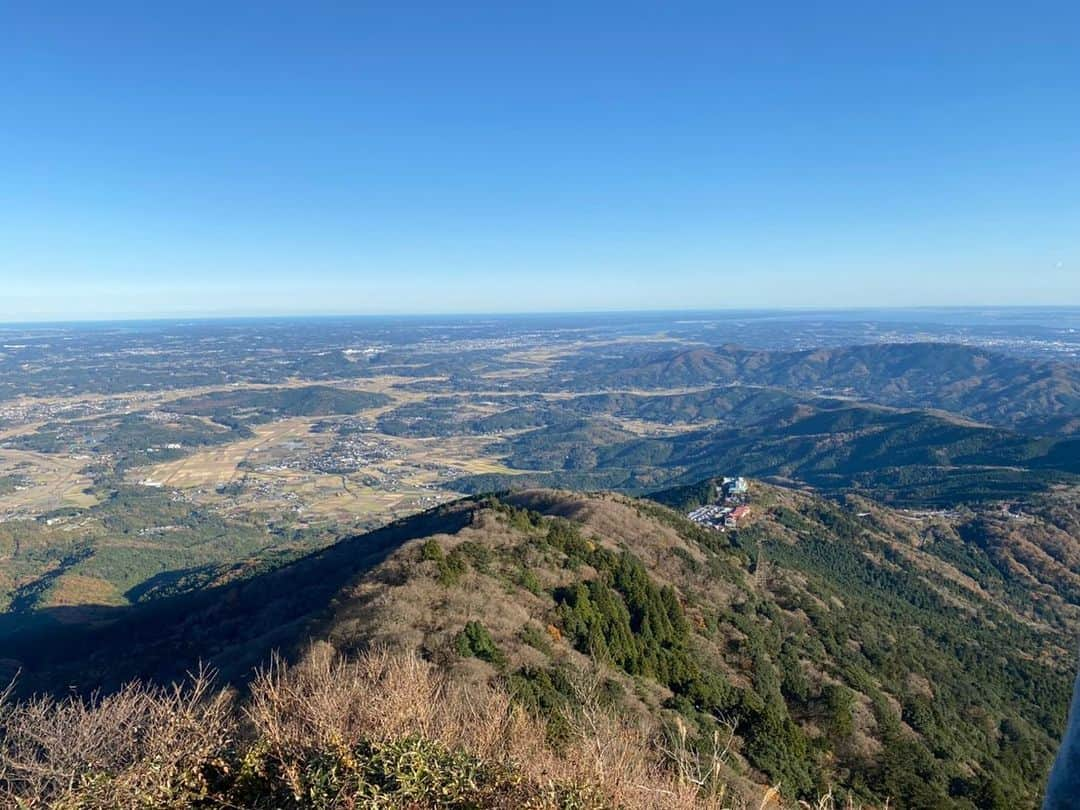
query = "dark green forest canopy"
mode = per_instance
[{"x": 261, "y": 405}]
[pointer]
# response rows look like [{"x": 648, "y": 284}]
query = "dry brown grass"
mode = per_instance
[
  {"x": 140, "y": 747},
  {"x": 301, "y": 738},
  {"x": 332, "y": 702}
]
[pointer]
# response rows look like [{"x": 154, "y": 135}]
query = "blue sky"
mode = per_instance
[{"x": 241, "y": 158}]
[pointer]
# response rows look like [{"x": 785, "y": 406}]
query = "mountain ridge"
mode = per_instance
[
  {"x": 1032, "y": 395},
  {"x": 836, "y": 638}
]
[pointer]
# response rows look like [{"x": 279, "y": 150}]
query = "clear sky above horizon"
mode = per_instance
[{"x": 213, "y": 158}]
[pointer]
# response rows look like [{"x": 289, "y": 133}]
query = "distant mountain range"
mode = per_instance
[
  {"x": 903, "y": 456},
  {"x": 1034, "y": 396}
]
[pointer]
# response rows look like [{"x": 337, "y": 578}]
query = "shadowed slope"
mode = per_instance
[{"x": 232, "y": 627}]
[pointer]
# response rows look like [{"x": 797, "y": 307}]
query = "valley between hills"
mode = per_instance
[{"x": 504, "y": 505}]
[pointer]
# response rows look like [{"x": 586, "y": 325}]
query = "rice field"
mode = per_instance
[
  {"x": 46, "y": 482},
  {"x": 218, "y": 466}
]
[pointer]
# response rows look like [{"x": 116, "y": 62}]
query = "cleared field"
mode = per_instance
[
  {"x": 76, "y": 589},
  {"x": 267, "y": 471},
  {"x": 217, "y": 466},
  {"x": 334, "y": 497},
  {"x": 409, "y": 475},
  {"x": 282, "y": 471},
  {"x": 469, "y": 454},
  {"x": 51, "y": 482},
  {"x": 644, "y": 427}
]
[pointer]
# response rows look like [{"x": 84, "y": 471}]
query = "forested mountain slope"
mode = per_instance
[
  {"x": 1035, "y": 396},
  {"x": 903, "y": 456},
  {"x": 846, "y": 645},
  {"x": 920, "y": 657}
]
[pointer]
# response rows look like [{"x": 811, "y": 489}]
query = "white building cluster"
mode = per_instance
[{"x": 728, "y": 509}]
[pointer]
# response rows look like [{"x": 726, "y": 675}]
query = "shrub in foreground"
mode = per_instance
[{"x": 378, "y": 731}]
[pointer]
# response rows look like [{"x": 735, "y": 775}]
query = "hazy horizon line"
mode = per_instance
[{"x": 300, "y": 315}]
